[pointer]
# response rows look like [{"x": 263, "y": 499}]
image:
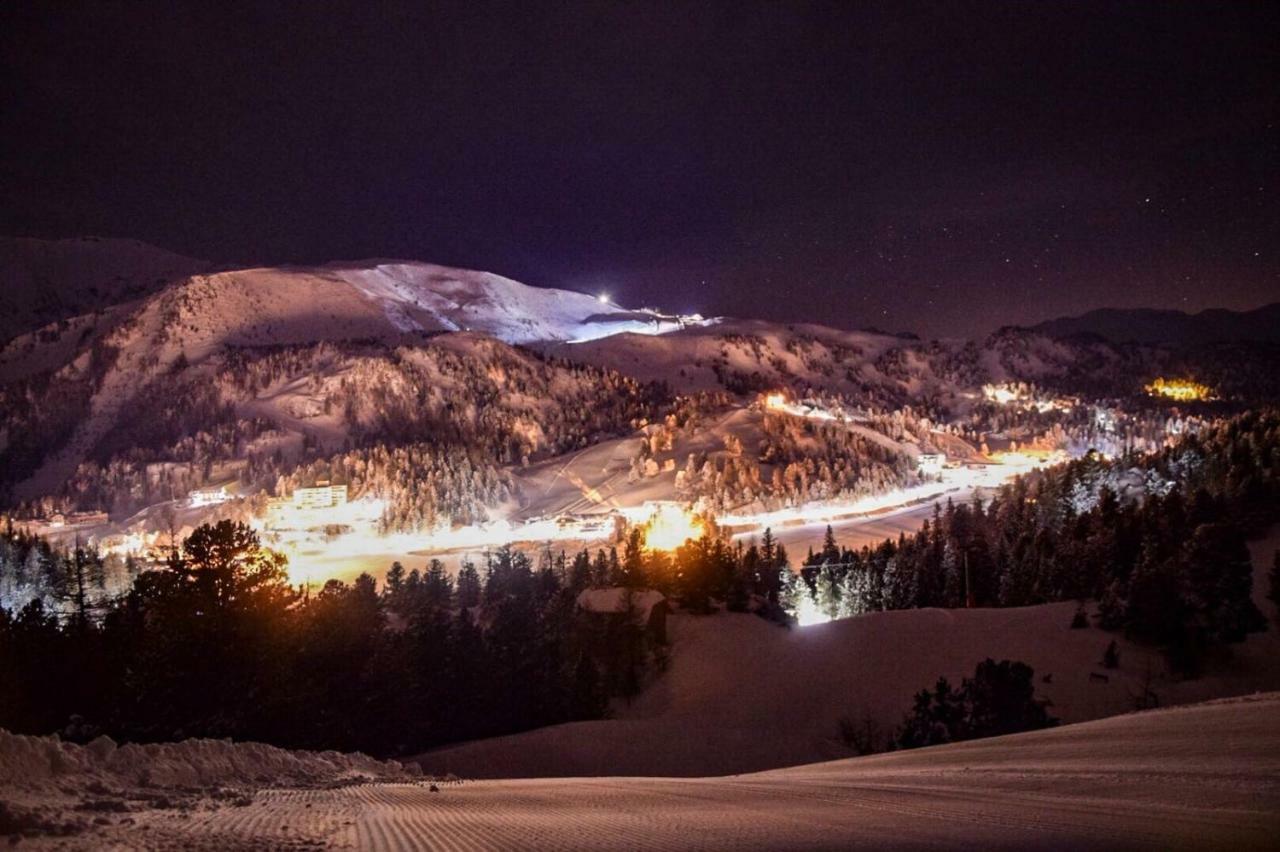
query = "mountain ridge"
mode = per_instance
[
  {"x": 1179, "y": 328},
  {"x": 51, "y": 281}
]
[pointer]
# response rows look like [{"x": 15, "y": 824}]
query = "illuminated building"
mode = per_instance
[
  {"x": 209, "y": 496},
  {"x": 322, "y": 496}
]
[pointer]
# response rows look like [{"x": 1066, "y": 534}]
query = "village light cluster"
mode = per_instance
[
  {"x": 1181, "y": 390},
  {"x": 1023, "y": 396}
]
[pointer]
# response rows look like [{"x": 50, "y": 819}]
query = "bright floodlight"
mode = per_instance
[{"x": 603, "y": 298}]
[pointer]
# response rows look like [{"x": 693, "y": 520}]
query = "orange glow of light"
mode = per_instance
[
  {"x": 775, "y": 401},
  {"x": 1026, "y": 458},
  {"x": 1182, "y": 390},
  {"x": 670, "y": 526},
  {"x": 1000, "y": 393}
]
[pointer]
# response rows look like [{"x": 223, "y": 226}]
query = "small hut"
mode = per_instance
[{"x": 646, "y": 606}]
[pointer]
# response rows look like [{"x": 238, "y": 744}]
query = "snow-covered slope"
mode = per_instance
[
  {"x": 742, "y": 694},
  {"x": 1196, "y": 777},
  {"x": 766, "y": 353},
  {"x": 368, "y": 300},
  {"x": 44, "y": 281},
  {"x": 93, "y": 368},
  {"x": 385, "y": 300},
  {"x": 875, "y": 368},
  {"x": 427, "y": 297}
]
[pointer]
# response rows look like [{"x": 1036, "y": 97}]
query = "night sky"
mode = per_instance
[{"x": 942, "y": 168}]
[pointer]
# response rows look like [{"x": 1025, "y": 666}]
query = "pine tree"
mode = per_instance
[
  {"x": 1111, "y": 656},
  {"x": 827, "y": 592},
  {"x": 437, "y": 587},
  {"x": 793, "y": 591},
  {"x": 768, "y": 552},
  {"x": 580, "y": 572},
  {"x": 830, "y": 551},
  {"x": 395, "y": 579},
  {"x": 469, "y": 589},
  {"x": 1111, "y": 607},
  {"x": 1274, "y": 581},
  {"x": 633, "y": 560},
  {"x": 1220, "y": 575}
]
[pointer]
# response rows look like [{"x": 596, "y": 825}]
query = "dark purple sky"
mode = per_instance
[{"x": 944, "y": 168}]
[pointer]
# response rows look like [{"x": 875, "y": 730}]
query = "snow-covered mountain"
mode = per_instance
[
  {"x": 44, "y": 281},
  {"x": 381, "y": 300},
  {"x": 356, "y": 353},
  {"x": 411, "y": 346},
  {"x": 70, "y": 282}
]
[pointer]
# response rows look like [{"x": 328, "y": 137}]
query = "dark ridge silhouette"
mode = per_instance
[{"x": 1145, "y": 325}]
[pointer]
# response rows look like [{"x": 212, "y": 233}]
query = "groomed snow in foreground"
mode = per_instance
[{"x": 1203, "y": 776}]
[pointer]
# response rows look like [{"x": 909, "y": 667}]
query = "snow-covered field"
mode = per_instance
[
  {"x": 742, "y": 694},
  {"x": 1203, "y": 776}
]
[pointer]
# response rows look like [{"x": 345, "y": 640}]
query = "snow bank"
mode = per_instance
[{"x": 28, "y": 762}]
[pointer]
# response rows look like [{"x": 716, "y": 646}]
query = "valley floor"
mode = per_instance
[{"x": 1202, "y": 776}]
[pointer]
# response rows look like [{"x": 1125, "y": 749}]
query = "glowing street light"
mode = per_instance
[
  {"x": 603, "y": 298},
  {"x": 670, "y": 526}
]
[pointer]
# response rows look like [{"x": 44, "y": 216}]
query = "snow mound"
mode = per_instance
[{"x": 29, "y": 762}]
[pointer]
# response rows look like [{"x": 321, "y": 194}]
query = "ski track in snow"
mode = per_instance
[{"x": 1188, "y": 777}]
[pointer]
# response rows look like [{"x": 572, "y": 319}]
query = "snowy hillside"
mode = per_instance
[
  {"x": 383, "y": 300},
  {"x": 67, "y": 388},
  {"x": 1167, "y": 779},
  {"x": 745, "y": 356},
  {"x": 44, "y": 281},
  {"x": 744, "y": 695},
  {"x": 373, "y": 300},
  {"x": 419, "y": 296},
  {"x": 372, "y": 373}
]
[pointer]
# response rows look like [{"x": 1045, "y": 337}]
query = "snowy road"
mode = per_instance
[{"x": 871, "y": 520}]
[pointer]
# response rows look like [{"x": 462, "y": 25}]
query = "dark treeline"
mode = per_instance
[
  {"x": 218, "y": 643},
  {"x": 701, "y": 575},
  {"x": 1167, "y": 563},
  {"x": 999, "y": 699}
]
